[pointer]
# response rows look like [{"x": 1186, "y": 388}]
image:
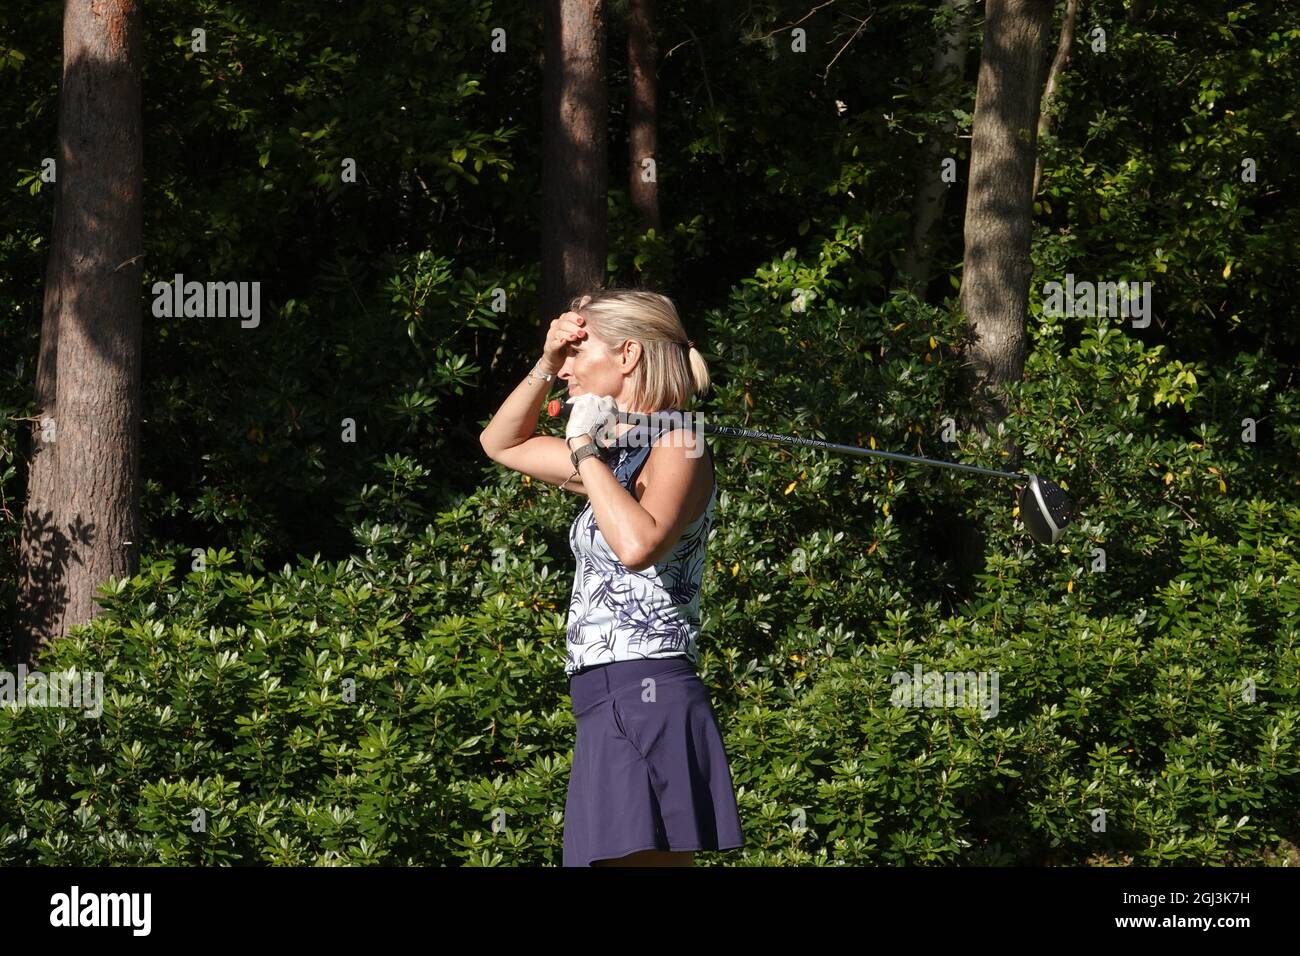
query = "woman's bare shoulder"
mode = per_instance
[{"x": 681, "y": 443}]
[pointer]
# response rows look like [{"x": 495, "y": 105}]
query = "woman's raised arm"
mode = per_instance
[{"x": 510, "y": 437}]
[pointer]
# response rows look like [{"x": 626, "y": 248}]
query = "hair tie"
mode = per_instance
[{"x": 689, "y": 343}]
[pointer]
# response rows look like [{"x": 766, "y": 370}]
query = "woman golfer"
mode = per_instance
[{"x": 650, "y": 782}]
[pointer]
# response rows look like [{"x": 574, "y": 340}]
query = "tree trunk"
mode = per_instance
[
  {"x": 999, "y": 209},
  {"x": 927, "y": 204},
  {"x": 642, "y": 116},
  {"x": 81, "y": 520},
  {"x": 574, "y": 155},
  {"x": 43, "y": 550},
  {"x": 1053, "y": 77},
  {"x": 999, "y": 203}
]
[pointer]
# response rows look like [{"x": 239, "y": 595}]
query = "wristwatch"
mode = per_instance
[{"x": 584, "y": 451}]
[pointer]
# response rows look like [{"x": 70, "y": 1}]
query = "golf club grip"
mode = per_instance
[{"x": 562, "y": 409}]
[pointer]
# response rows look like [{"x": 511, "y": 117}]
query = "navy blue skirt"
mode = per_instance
[{"x": 649, "y": 767}]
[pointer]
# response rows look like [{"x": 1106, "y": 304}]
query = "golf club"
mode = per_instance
[{"x": 1045, "y": 508}]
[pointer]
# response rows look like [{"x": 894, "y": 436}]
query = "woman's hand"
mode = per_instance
[
  {"x": 592, "y": 416},
  {"x": 568, "y": 328}
]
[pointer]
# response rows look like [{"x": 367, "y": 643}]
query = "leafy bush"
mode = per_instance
[{"x": 408, "y": 705}]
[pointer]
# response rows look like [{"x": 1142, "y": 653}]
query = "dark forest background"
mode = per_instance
[{"x": 790, "y": 185}]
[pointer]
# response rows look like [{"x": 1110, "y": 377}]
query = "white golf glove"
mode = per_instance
[{"x": 594, "y": 416}]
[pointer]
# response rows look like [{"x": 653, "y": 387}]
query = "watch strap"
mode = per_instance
[{"x": 584, "y": 451}]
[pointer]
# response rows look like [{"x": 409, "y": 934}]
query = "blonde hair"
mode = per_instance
[{"x": 669, "y": 373}]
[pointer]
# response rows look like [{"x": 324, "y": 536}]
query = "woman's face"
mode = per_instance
[{"x": 590, "y": 368}]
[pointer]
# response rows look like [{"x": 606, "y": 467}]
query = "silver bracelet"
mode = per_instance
[
  {"x": 575, "y": 470},
  {"x": 544, "y": 376}
]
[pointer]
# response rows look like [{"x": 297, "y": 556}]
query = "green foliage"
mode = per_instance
[
  {"x": 1145, "y": 176},
  {"x": 1161, "y": 690},
  {"x": 785, "y": 196}
]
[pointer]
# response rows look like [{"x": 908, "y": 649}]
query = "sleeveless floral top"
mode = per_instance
[{"x": 616, "y": 614}]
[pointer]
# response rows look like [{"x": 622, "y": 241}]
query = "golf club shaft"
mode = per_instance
[{"x": 727, "y": 431}]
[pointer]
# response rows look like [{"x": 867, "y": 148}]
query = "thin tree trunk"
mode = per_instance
[
  {"x": 1053, "y": 77},
  {"x": 999, "y": 203},
  {"x": 81, "y": 522},
  {"x": 574, "y": 154},
  {"x": 927, "y": 203},
  {"x": 642, "y": 114},
  {"x": 43, "y": 549}
]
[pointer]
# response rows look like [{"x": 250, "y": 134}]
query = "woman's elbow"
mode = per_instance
[{"x": 638, "y": 559}]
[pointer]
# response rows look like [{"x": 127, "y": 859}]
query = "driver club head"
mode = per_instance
[{"x": 1045, "y": 509}]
